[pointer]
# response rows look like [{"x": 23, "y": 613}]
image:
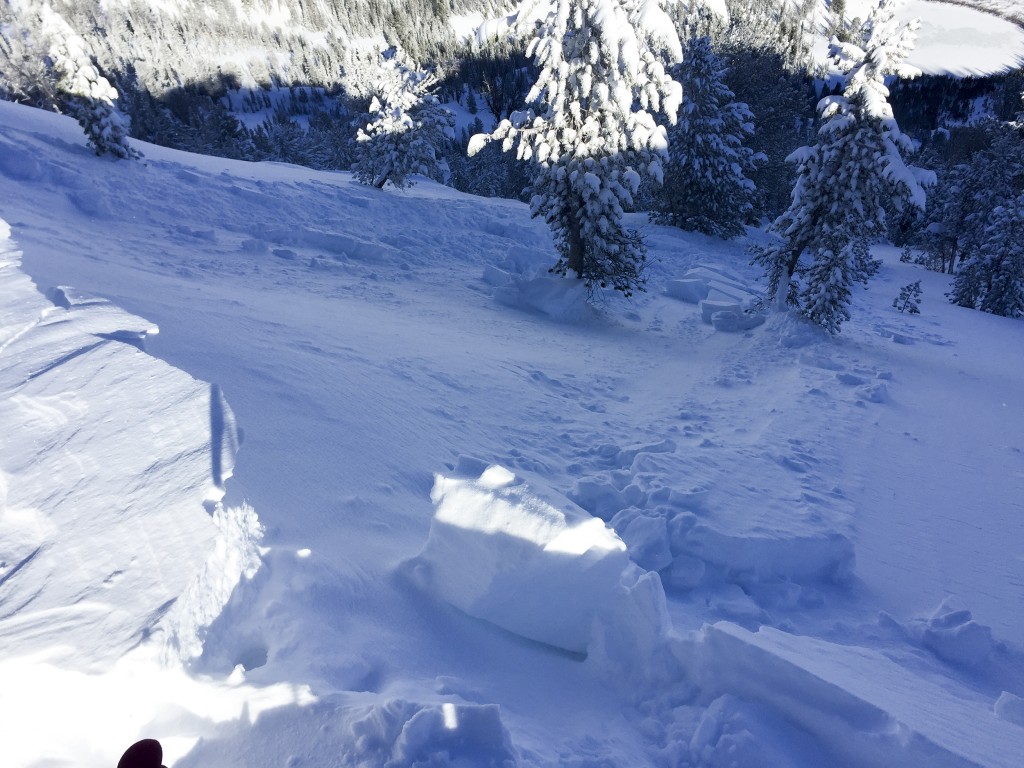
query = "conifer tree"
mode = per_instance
[
  {"x": 90, "y": 96},
  {"x": 592, "y": 128},
  {"x": 909, "y": 300},
  {"x": 992, "y": 279},
  {"x": 406, "y": 130},
  {"x": 48, "y": 64},
  {"x": 966, "y": 195},
  {"x": 845, "y": 180},
  {"x": 706, "y": 188}
]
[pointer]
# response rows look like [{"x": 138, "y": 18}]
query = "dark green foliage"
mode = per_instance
[
  {"x": 498, "y": 71},
  {"x": 909, "y": 300},
  {"x": 187, "y": 119},
  {"x": 781, "y": 100},
  {"x": 706, "y": 188},
  {"x": 489, "y": 172},
  {"x": 992, "y": 279},
  {"x": 967, "y": 194}
]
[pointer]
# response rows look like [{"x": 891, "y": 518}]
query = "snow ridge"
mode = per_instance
[{"x": 103, "y": 469}]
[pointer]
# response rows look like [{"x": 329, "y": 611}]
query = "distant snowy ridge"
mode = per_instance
[{"x": 105, "y": 462}]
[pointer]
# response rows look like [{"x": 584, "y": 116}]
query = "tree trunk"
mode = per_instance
[
  {"x": 782, "y": 291},
  {"x": 574, "y": 258},
  {"x": 383, "y": 178}
]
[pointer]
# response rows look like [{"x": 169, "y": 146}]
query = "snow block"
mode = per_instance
[
  {"x": 646, "y": 536},
  {"x": 499, "y": 552},
  {"x": 747, "y": 558},
  {"x": 709, "y": 307},
  {"x": 692, "y": 291},
  {"x": 727, "y": 322},
  {"x": 496, "y": 277},
  {"x": 1009, "y": 707},
  {"x": 732, "y": 322},
  {"x": 956, "y": 637},
  {"x": 864, "y": 708},
  {"x": 734, "y": 732},
  {"x": 557, "y": 297},
  {"x": 598, "y": 497}
]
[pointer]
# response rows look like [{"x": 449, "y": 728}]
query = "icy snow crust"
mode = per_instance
[{"x": 678, "y": 543}]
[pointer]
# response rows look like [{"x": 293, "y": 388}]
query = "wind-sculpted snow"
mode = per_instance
[{"x": 105, "y": 463}]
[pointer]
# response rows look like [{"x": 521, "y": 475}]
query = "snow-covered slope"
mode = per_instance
[
  {"x": 961, "y": 40},
  {"x": 955, "y": 38},
  {"x": 501, "y": 526}
]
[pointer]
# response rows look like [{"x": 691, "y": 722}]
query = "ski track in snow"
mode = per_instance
[{"x": 854, "y": 496}]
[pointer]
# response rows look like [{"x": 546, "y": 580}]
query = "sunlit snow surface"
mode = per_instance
[
  {"x": 952, "y": 38},
  {"x": 961, "y": 41},
  {"x": 804, "y": 551}
]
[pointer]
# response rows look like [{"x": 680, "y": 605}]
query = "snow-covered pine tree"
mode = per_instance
[
  {"x": 46, "y": 63},
  {"x": 25, "y": 72},
  {"x": 844, "y": 180},
  {"x": 406, "y": 130},
  {"x": 992, "y": 280},
  {"x": 90, "y": 97},
  {"x": 706, "y": 188},
  {"x": 601, "y": 76},
  {"x": 966, "y": 195}
]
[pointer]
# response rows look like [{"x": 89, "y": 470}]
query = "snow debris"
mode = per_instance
[
  {"x": 500, "y": 552},
  {"x": 557, "y": 298},
  {"x": 783, "y": 497},
  {"x": 869, "y": 710}
]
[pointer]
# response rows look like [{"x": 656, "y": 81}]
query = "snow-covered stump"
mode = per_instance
[
  {"x": 105, "y": 463},
  {"x": 556, "y": 575}
]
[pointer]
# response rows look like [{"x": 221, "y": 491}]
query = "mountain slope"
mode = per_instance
[{"x": 809, "y": 581}]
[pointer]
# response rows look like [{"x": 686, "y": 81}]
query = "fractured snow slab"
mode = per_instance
[
  {"x": 499, "y": 552},
  {"x": 867, "y": 708},
  {"x": 104, "y": 464}
]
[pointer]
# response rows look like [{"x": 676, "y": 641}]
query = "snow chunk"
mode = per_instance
[
  {"x": 1009, "y": 707},
  {"x": 557, "y": 297},
  {"x": 709, "y": 308},
  {"x": 954, "y": 636},
  {"x": 236, "y": 555},
  {"x": 735, "y": 732},
  {"x": 692, "y": 291},
  {"x": 400, "y": 732},
  {"x": 499, "y": 552},
  {"x": 863, "y": 707}
]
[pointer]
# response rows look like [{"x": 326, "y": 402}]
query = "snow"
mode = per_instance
[
  {"x": 553, "y": 574},
  {"x": 953, "y": 38},
  {"x": 673, "y": 546},
  {"x": 960, "y": 40}
]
